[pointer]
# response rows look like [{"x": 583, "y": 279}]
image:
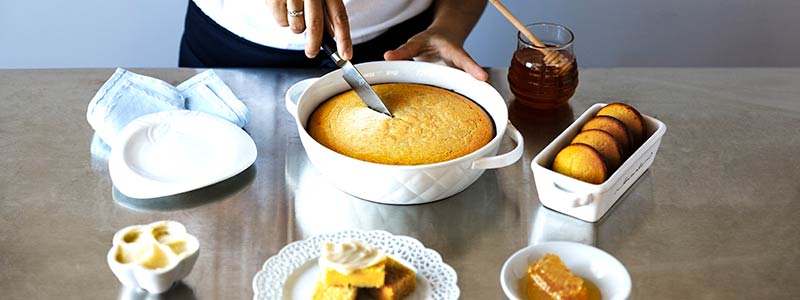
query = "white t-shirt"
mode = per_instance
[{"x": 252, "y": 19}]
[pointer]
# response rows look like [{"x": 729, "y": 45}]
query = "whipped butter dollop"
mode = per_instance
[
  {"x": 347, "y": 257},
  {"x": 153, "y": 246}
]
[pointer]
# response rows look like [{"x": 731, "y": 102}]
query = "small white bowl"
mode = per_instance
[
  {"x": 139, "y": 272},
  {"x": 591, "y": 263}
]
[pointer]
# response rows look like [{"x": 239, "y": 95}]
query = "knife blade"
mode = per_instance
[{"x": 354, "y": 78}]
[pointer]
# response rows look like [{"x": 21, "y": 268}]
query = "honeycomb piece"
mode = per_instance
[{"x": 552, "y": 276}]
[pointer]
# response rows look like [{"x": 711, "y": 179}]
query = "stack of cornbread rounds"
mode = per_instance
[{"x": 603, "y": 144}]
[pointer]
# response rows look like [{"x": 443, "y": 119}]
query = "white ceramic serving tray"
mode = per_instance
[
  {"x": 172, "y": 152},
  {"x": 586, "y": 201}
]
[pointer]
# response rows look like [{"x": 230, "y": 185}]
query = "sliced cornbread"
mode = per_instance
[
  {"x": 628, "y": 115},
  {"x": 368, "y": 277},
  {"x": 323, "y": 291},
  {"x": 615, "y": 127},
  {"x": 430, "y": 125},
  {"x": 604, "y": 143},
  {"x": 352, "y": 264},
  {"x": 582, "y": 162},
  {"x": 400, "y": 282}
]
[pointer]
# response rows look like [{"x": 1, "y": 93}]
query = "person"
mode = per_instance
[{"x": 288, "y": 33}]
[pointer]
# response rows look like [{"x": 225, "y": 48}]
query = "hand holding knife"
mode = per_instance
[{"x": 352, "y": 76}]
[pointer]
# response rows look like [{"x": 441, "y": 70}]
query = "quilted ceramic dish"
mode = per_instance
[{"x": 395, "y": 184}]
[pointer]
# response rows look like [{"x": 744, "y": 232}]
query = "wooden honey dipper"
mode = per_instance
[{"x": 551, "y": 57}]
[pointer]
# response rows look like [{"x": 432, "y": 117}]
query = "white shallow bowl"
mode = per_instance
[
  {"x": 135, "y": 276},
  {"x": 395, "y": 184},
  {"x": 583, "y": 200},
  {"x": 591, "y": 263}
]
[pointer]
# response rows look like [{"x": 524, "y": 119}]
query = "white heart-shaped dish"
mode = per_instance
[{"x": 172, "y": 152}]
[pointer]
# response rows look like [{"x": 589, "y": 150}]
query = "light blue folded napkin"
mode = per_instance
[
  {"x": 207, "y": 93},
  {"x": 127, "y": 96}
]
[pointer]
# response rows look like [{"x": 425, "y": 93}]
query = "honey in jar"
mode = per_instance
[{"x": 541, "y": 85}]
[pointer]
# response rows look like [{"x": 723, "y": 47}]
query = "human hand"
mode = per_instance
[
  {"x": 310, "y": 16},
  {"x": 435, "y": 44}
]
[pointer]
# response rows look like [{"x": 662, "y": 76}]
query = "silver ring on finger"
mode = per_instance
[{"x": 296, "y": 13}]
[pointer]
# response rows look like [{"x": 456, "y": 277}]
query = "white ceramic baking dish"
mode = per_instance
[
  {"x": 586, "y": 201},
  {"x": 394, "y": 184}
]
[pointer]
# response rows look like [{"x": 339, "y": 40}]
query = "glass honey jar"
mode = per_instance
[{"x": 541, "y": 85}]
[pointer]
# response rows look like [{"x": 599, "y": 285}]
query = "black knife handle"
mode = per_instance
[{"x": 329, "y": 46}]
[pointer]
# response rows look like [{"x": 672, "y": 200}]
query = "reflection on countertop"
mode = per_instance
[
  {"x": 180, "y": 291},
  {"x": 321, "y": 208},
  {"x": 212, "y": 193}
]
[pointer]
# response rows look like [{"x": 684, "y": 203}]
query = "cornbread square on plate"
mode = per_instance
[
  {"x": 372, "y": 276},
  {"x": 400, "y": 282},
  {"x": 323, "y": 291}
]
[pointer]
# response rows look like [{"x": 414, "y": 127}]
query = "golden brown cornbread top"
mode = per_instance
[
  {"x": 582, "y": 162},
  {"x": 430, "y": 125}
]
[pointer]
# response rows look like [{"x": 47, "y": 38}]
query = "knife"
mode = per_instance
[{"x": 354, "y": 77}]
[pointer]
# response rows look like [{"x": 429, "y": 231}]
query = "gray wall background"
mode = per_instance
[{"x": 609, "y": 33}]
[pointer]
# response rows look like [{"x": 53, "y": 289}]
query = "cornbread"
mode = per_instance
[
  {"x": 368, "y": 277},
  {"x": 604, "y": 143},
  {"x": 323, "y": 291},
  {"x": 400, "y": 282},
  {"x": 429, "y": 125},
  {"x": 582, "y": 162},
  {"x": 352, "y": 264},
  {"x": 351, "y": 268},
  {"x": 614, "y": 127},
  {"x": 614, "y": 133},
  {"x": 629, "y": 116}
]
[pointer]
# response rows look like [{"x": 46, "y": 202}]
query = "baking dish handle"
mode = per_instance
[
  {"x": 506, "y": 159},
  {"x": 576, "y": 199},
  {"x": 294, "y": 92}
]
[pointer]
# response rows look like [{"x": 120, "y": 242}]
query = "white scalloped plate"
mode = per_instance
[
  {"x": 172, "y": 152},
  {"x": 292, "y": 273}
]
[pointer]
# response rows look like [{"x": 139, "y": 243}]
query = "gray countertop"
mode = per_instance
[{"x": 715, "y": 217}]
